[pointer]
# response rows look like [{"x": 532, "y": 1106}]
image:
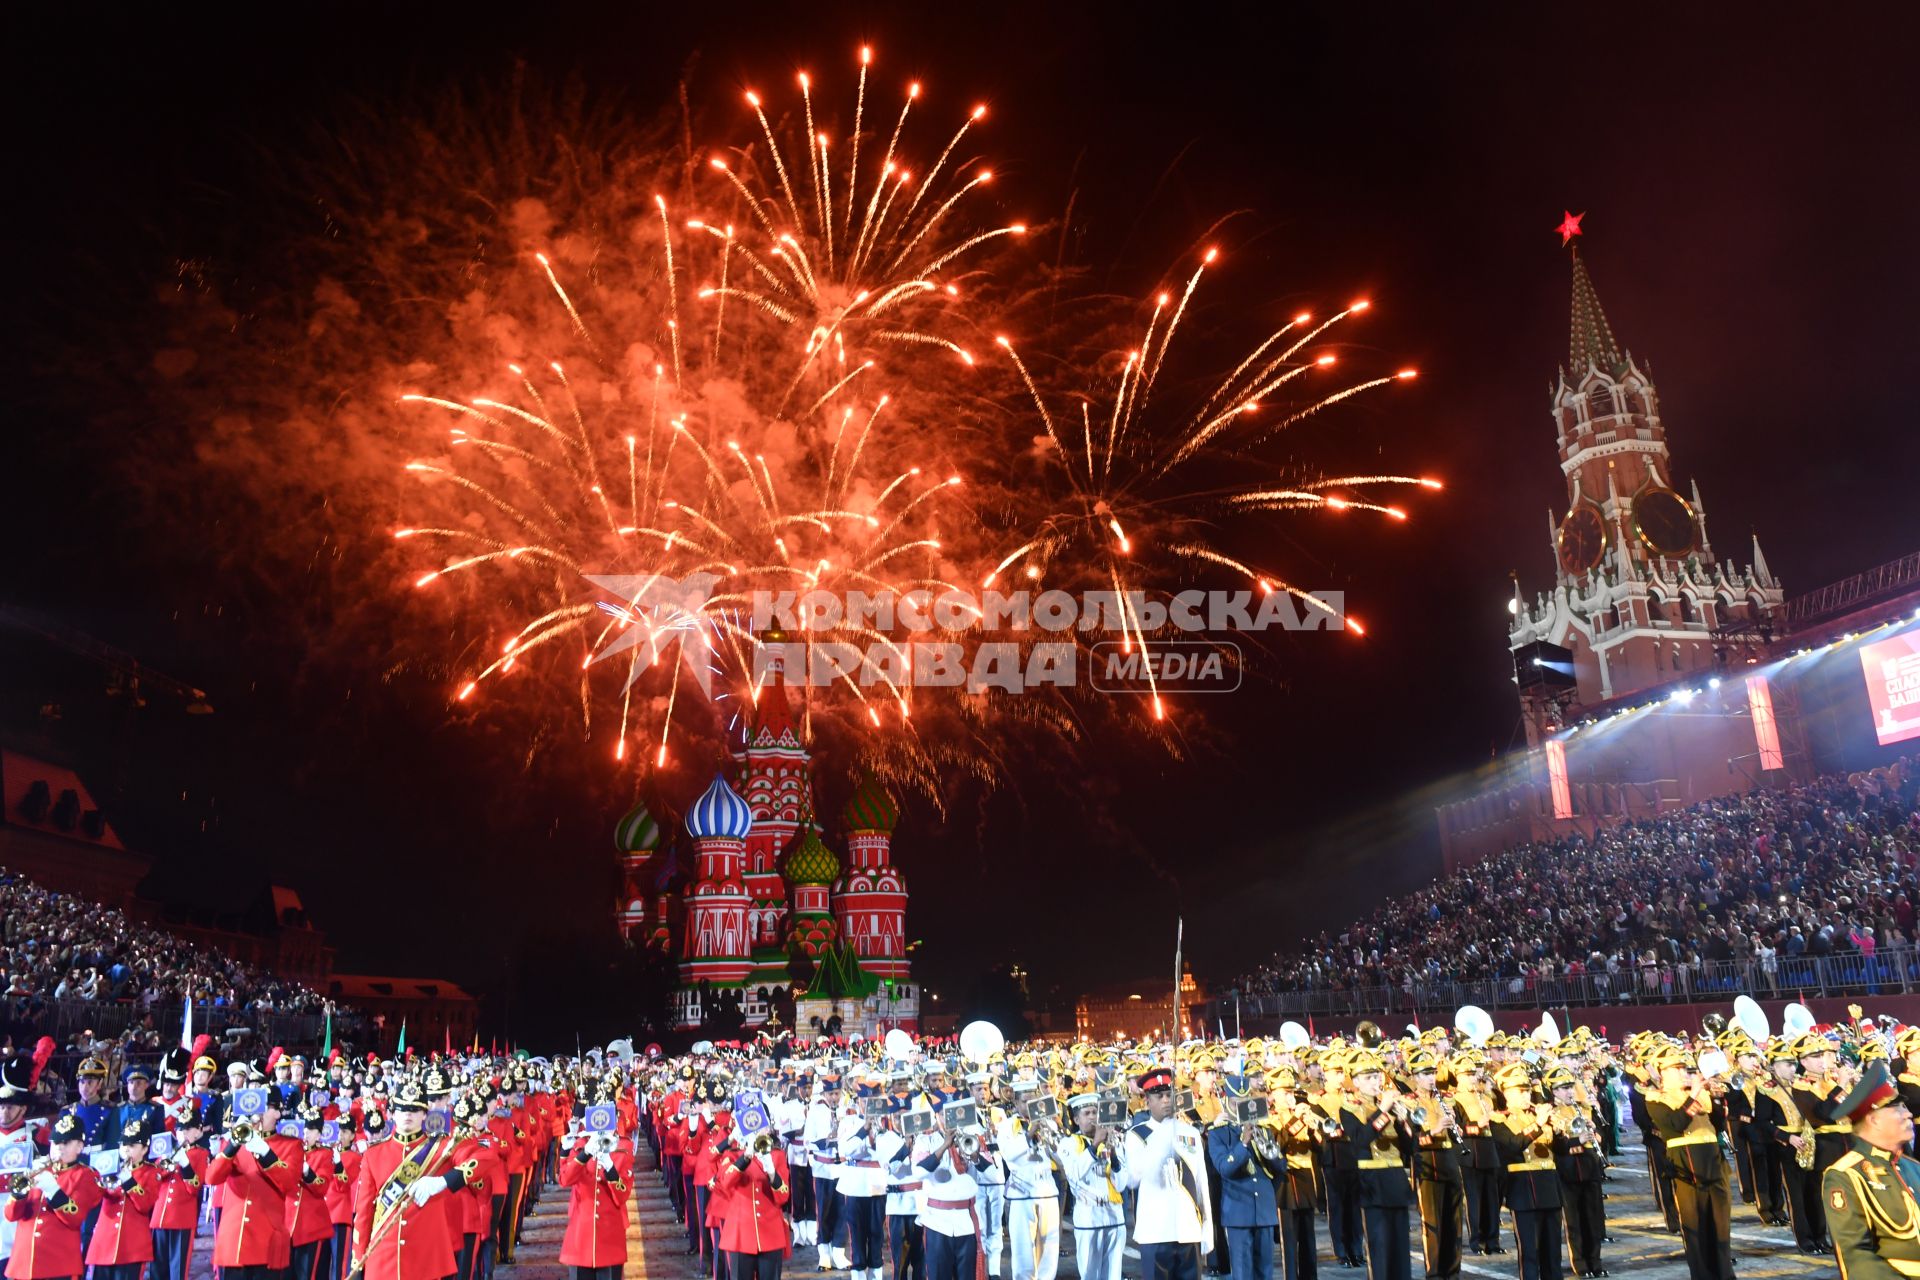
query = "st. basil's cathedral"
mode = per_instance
[{"x": 748, "y": 886}]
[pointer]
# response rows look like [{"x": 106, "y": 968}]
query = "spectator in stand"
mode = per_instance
[{"x": 1720, "y": 897}]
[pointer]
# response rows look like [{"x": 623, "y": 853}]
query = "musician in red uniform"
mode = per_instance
[
  {"x": 506, "y": 1126},
  {"x": 755, "y": 1185},
  {"x": 176, "y": 1207},
  {"x": 255, "y": 1178},
  {"x": 48, "y": 1213},
  {"x": 401, "y": 1200},
  {"x": 346, "y": 1168},
  {"x": 123, "y": 1237},
  {"x": 598, "y": 1171},
  {"x": 488, "y": 1181},
  {"x": 715, "y": 1126},
  {"x": 309, "y": 1227}
]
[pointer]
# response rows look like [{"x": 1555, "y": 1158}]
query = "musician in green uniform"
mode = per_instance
[{"x": 1872, "y": 1192}]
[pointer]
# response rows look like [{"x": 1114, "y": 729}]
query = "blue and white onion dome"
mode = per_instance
[
  {"x": 719, "y": 814},
  {"x": 637, "y": 832}
]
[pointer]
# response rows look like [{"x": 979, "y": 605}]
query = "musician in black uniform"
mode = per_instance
[
  {"x": 1688, "y": 1110},
  {"x": 1344, "y": 1226},
  {"x": 1524, "y": 1139},
  {"x": 1481, "y": 1168},
  {"x": 1437, "y": 1180},
  {"x": 1377, "y": 1130},
  {"x": 1786, "y": 1142},
  {"x": 1576, "y": 1154},
  {"x": 1659, "y": 1173},
  {"x": 1741, "y": 1098}
]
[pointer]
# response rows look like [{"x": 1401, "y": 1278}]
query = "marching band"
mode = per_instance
[{"x": 946, "y": 1161}]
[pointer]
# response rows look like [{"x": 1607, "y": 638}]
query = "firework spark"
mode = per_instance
[{"x": 779, "y": 417}]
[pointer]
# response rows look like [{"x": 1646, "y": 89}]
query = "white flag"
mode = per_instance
[{"x": 186, "y": 1028}]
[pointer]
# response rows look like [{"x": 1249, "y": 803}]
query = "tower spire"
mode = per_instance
[{"x": 1592, "y": 339}]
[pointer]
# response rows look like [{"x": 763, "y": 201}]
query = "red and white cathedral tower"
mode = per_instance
[
  {"x": 635, "y": 838},
  {"x": 1639, "y": 594},
  {"x": 870, "y": 902},
  {"x": 776, "y": 781},
  {"x": 715, "y": 946}
]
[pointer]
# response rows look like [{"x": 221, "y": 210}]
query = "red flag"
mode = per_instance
[
  {"x": 448, "y": 1029},
  {"x": 1309, "y": 1026}
]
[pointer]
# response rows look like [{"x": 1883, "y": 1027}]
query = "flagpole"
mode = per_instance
[{"x": 1179, "y": 939}]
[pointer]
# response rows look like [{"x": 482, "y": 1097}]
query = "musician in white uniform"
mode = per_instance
[
  {"x": 1033, "y": 1199},
  {"x": 1088, "y": 1157},
  {"x": 822, "y": 1135},
  {"x": 1165, "y": 1161},
  {"x": 790, "y": 1118},
  {"x": 991, "y": 1180},
  {"x": 863, "y": 1176},
  {"x": 900, "y": 1156},
  {"x": 948, "y": 1196}
]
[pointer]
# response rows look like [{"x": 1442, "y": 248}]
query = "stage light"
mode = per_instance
[
  {"x": 1713, "y": 682},
  {"x": 1682, "y": 696}
]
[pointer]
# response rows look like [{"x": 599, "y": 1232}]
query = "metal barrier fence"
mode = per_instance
[
  {"x": 1889, "y": 970},
  {"x": 29, "y": 1019}
]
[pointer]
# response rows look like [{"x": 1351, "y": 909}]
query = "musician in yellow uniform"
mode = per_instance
[
  {"x": 1872, "y": 1192},
  {"x": 1437, "y": 1180}
]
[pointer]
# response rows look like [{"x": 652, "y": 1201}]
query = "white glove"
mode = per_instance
[
  {"x": 181, "y": 1160},
  {"x": 606, "y": 1161},
  {"x": 424, "y": 1189},
  {"x": 48, "y": 1184},
  {"x": 258, "y": 1145},
  {"x": 766, "y": 1162}
]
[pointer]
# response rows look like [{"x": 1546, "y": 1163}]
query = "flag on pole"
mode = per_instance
[
  {"x": 400, "y": 1050},
  {"x": 186, "y": 1026},
  {"x": 448, "y": 1029},
  {"x": 326, "y": 1046}
]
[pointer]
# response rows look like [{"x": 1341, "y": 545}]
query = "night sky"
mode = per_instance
[{"x": 1750, "y": 187}]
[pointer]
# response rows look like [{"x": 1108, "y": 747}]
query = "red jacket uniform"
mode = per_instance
[
  {"x": 597, "y": 1212},
  {"x": 177, "y": 1205},
  {"x": 253, "y": 1205},
  {"x": 754, "y": 1221},
  {"x": 46, "y": 1241},
  {"x": 307, "y": 1217},
  {"x": 340, "y": 1188},
  {"x": 419, "y": 1243},
  {"x": 489, "y": 1179},
  {"x": 124, "y": 1232}
]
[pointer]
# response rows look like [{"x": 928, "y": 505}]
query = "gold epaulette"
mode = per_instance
[{"x": 1846, "y": 1161}]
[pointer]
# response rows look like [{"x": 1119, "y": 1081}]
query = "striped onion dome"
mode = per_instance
[
  {"x": 871, "y": 808},
  {"x": 637, "y": 832},
  {"x": 719, "y": 813},
  {"x": 809, "y": 861}
]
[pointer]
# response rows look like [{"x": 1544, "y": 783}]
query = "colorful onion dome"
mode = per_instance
[
  {"x": 871, "y": 808},
  {"x": 809, "y": 861},
  {"x": 637, "y": 832},
  {"x": 720, "y": 813}
]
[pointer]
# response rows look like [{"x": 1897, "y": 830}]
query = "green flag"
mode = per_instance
[
  {"x": 400, "y": 1050},
  {"x": 326, "y": 1046}
]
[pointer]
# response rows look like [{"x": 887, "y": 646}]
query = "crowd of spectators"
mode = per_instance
[
  {"x": 56, "y": 948},
  {"x": 1739, "y": 891}
]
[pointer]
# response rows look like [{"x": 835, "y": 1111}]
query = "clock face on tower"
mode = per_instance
[
  {"x": 1583, "y": 539},
  {"x": 1664, "y": 521}
]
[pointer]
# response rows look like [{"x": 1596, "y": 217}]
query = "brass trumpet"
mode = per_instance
[
  {"x": 762, "y": 1143},
  {"x": 240, "y": 1132},
  {"x": 21, "y": 1183}
]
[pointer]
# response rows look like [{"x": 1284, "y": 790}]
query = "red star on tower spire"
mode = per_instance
[{"x": 1570, "y": 227}]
